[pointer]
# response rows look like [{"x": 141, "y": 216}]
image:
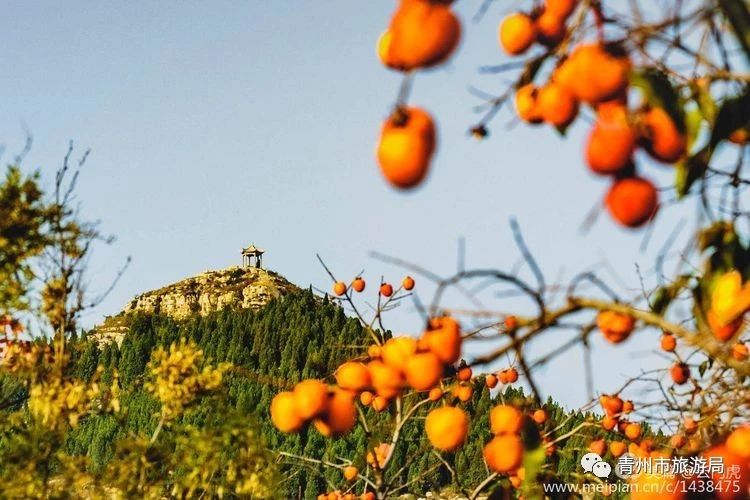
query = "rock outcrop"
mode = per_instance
[{"x": 235, "y": 287}]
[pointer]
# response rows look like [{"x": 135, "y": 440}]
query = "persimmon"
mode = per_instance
[
  {"x": 677, "y": 441},
  {"x": 550, "y": 448},
  {"x": 423, "y": 371},
  {"x": 661, "y": 138},
  {"x": 379, "y": 403},
  {"x": 350, "y": 473},
  {"x": 727, "y": 296},
  {"x": 398, "y": 350},
  {"x": 447, "y": 427},
  {"x": 408, "y": 283},
  {"x": 386, "y": 290},
  {"x": 435, "y": 394},
  {"x": 550, "y": 28},
  {"x": 377, "y": 456},
  {"x": 740, "y": 352},
  {"x": 358, "y": 285},
  {"x": 690, "y": 425},
  {"x": 598, "y": 446},
  {"x": 635, "y": 450},
  {"x": 340, "y": 415},
  {"x": 740, "y": 136},
  {"x": 555, "y": 105},
  {"x": 368, "y": 495},
  {"x": 594, "y": 73},
  {"x": 612, "y": 405},
  {"x": 526, "y": 104},
  {"x": 283, "y": 413},
  {"x": 463, "y": 392},
  {"x": 339, "y": 288},
  {"x": 504, "y": 453},
  {"x": 680, "y": 373},
  {"x": 668, "y": 342},
  {"x": 421, "y": 34},
  {"x": 505, "y": 419},
  {"x": 515, "y": 481},
  {"x": 490, "y": 381},
  {"x": 510, "y": 322},
  {"x": 539, "y": 416},
  {"x": 310, "y": 398},
  {"x": 366, "y": 398},
  {"x": 633, "y": 431},
  {"x": 516, "y": 33},
  {"x": 609, "y": 423},
  {"x": 444, "y": 339},
  {"x": 464, "y": 374},
  {"x": 632, "y": 201},
  {"x": 611, "y": 143},
  {"x": 386, "y": 380},
  {"x": 353, "y": 376},
  {"x": 738, "y": 442},
  {"x": 407, "y": 142},
  {"x": 617, "y": 448},
  {"x": 511, "y": 375},
  {"x": 731, "y": 461},
  {"x": 627, "y": 406},
  {"x": 560, "y": 8},
  {"x": 723, "y": 331},
  {"x": 383, "y": 50},
  {"x": 423, "y": 344},
  {"x": 622, "y": 424},
  {"x": 615, "y": 326},
  {"x": 374, "y": 351}
]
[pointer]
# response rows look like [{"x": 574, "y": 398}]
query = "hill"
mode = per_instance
[
  {"x": 211, "y": 291},
  {"x": 295, "y": 336}
]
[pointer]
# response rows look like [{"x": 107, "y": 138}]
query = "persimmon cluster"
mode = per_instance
[
  {"x": 358, "y": 285},
  {"x": 338, "y": 495},
  {"x": 545, "y": 25},
  {"x": 421, "y": 34},
  {"x": 597, "y": 74},
  {"x": 733, "y": 450},
  {"x": 399, "y": 364}
]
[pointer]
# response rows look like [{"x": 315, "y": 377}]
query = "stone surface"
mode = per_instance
[{"x": 235, "y": 287}]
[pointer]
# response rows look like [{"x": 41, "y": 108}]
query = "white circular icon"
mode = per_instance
[{"x": 588, "y": 461}]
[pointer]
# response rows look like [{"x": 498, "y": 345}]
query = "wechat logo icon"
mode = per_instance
[{"x": 591, "y": 462}]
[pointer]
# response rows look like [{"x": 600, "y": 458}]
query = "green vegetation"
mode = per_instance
[{"x": 292, "y": 338}]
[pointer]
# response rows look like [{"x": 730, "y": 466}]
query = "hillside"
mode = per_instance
[
  {"x": 295, "y": 336},
  {"x": 209, "y": 292}
]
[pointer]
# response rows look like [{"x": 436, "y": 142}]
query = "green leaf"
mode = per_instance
[
  {"x": 733, "y": 114},
  {"x": 562, "y": 130},
  {"x": 690, "y": 170},
  {"x": 530, "y": 71},
  {"x": 705, "y": 101},
  {"x": 659, "y": 93},
  {"x": 739, "y": 18},
  {"x": 693, "y": 123},
  {"x": 705, "y": 366},
  {"x": 664, "y": 296},
  {"x": 533, "y": 461}
]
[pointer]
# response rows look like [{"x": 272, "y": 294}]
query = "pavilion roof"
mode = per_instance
[{"x": 252, "y": 249}]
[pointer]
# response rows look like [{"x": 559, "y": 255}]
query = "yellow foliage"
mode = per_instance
[{"x": 176, "y": 379}]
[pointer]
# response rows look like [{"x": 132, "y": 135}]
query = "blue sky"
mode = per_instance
[{"x": 213, "y": 125}]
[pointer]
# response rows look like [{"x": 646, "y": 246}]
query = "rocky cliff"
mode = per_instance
[{"x": 236, "y": 287}]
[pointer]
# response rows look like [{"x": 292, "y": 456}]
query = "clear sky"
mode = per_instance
[{"x": 213, "y": 125}]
